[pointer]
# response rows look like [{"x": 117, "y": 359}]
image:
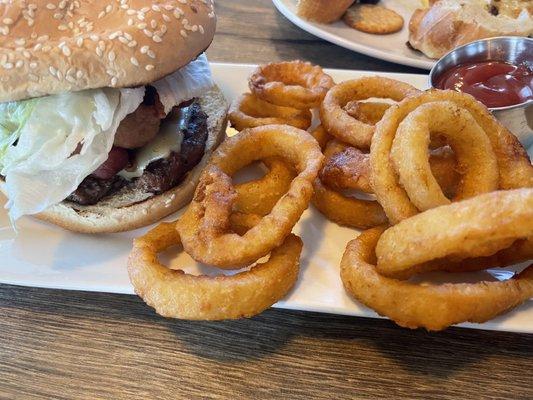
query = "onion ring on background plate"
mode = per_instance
[
  {"x": 175, "y": 294},
  {"x": 204, "y": 225},
  {"x": 249, "y": 111},
  {"x": 260, "y": 195},
  {"x": 464, "y": 229},
  {"x": 369, "y": 112},
  {"x": 340, "y": 124},
  {"x": 430, "y": 306},
  {"x": 295, "y": 84},
  {"x": 514, "y": 166},
  {"x": 471, "y": 146}
]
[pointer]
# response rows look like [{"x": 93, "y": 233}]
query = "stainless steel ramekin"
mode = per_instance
[{"x": 517, "y": 118}]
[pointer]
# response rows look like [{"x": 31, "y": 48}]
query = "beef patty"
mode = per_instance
[{"x": 160, "y": 175}]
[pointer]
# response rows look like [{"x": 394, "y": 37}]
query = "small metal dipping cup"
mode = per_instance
[{"x": 517, "y": 118}]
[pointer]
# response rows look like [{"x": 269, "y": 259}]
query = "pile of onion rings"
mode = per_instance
[
  {"x": 215, "y": 230},
  {"x": 437, "y": 182},
  {"x": 489, "y": 157},
  {"x": 423, "y": 240}
]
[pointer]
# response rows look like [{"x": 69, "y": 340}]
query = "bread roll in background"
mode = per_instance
[
  {"x": 324, "y": 11},
  {"x": 448, "y": 24}
]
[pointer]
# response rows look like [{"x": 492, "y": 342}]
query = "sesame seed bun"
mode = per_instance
[
  {"x": 54, "y": 46},
  {"x": 133, "y": 209}
]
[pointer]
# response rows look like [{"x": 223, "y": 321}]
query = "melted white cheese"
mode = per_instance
[{"x": 168, "y": 140}]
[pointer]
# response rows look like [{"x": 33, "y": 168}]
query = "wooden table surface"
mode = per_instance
[{"x": 75, "y": 345}]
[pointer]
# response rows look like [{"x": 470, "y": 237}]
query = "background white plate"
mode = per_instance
[
  {"x": 43, "y": 255},
  {"x": 390, "y": 47}
]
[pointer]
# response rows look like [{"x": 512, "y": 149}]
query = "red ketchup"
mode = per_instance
[{"x": 494, "y": 83}]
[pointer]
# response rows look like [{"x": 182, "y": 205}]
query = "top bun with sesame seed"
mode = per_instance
[{"x": 54, "y": 46}]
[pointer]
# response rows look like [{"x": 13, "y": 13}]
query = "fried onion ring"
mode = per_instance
[
  {"x": 260, "y": 195},
  {"x": 515, "y": 169},
  {"x": 204, "y": 225},
  {"x": 175, "y": 294},
  {"x": 345, "y": 210},
  {"x": 249, "y": 111},
  {"x": 468, "y": 228},
  {"x": 368, "y": 112},
  {"x": 295, "y": 84},
  {"x": 321, "y": 136},
  {"x": 471, "y": 146},
  {"x": 344, "y": 127},
  {"x": 434, "y": 307},
  {"x": 348, "y": 168}
]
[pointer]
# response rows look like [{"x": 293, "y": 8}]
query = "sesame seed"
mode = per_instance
[
  {"x": 201, "y": 29},
  {"x": 8, "y": 65},
  {"x": 153, "y": 24},
  {"x": 33, "y": 65},
  {"x": 145, "y": 49},
  {"x": 20, "y": 41},
  {"x": 62, "y": 27},
  {"x": 145, "y": 9},
  {"x": 133, "y": 43},
  {"x": 79, "y": 42},
  {"x": 101, "y": 14},
  {"x": 183, "y": 33},
  {"x": 99, "y": 52},
  {"x": 150, "y": 54},
  {"x": 166, "y": 17},
  {"x": 79, "y": 74},
  {"x": 111, "y": 56},
  {"x": 157, "y": 39},
  {"x": 123, "y": 40},
  {"x": 51, "y": 6},
  {"x": 142, "y": 25},
  {"x": 37, "y": 47},
  {"x": 130, "y": 22},
  {"x": 149, "y": 67},
  {"x": 52, "y": 70},
  {"x": 134, "y": 61},
  {"x": 108, "y": 8},
  {"x": 131, "y": 12},
  {"x": 66, "y": 51},
  {"x": 148, "y": 33},
  {"x": 156, "y": 8},
  {"x": 26, "y": 54},
  {"x": 19, "y": 64},
  {"x": 7, "y": 21},
  {"x": 114, "y": 81}
]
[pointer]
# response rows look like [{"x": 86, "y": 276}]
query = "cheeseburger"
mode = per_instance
[{"x": 108, "y": 112}]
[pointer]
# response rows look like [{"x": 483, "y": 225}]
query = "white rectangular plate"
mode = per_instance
[{"x": 43, "y": 255}]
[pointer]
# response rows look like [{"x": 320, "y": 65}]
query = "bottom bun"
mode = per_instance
[{"x": 116, "y": 215}]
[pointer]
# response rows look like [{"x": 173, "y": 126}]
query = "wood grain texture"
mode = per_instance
[{"x": 76, "y": 345}]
